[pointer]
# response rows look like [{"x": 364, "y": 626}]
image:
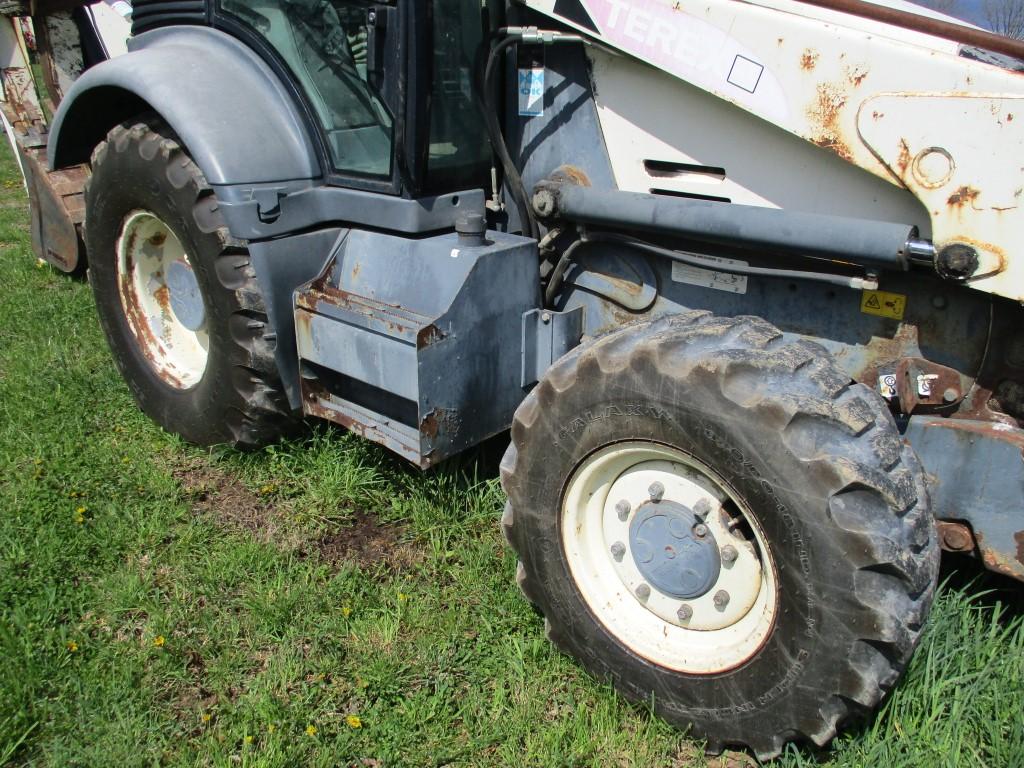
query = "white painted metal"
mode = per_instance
[
  {"x": 146, "y": 248},
  {"x": 714, "y": 638},
  {"x": 833, "y": 80}
]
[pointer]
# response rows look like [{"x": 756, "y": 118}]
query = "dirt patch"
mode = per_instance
[
  {"x": 368, "y": 543},
  {"x": 363, "y": 540},
  {"x": 219, "y": 494}
]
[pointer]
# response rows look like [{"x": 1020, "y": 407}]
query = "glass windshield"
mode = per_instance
[{"x": 324, "y": 44}]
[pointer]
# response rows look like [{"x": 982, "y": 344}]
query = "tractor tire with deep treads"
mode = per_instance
[
  {"x": 237, "y": 397},
  {"x": 818, "y": 461}
]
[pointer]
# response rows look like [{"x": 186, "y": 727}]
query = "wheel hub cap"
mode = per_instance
[
  {"x": 186, "y": 300},
  {"x": 668, "y": 552}
]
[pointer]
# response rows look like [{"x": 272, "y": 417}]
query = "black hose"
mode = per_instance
[
  {"x": 693, "y": 260},
  {"x": 512, "y": 176},
  {"x": 555, "y": 281},
  {"x": 696, "y": 261}
]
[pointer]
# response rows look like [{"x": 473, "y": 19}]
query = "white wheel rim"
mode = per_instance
[
  {"x": 714, "y": 637},
  {"x": 161, "y": 300}
]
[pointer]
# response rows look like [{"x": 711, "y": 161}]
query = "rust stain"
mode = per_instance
[
  {"x": 1009, "y": 117},
  {"x": 356, "y": 270},
  {"x": 856, "y": 75},
  {"x": 876, "y": 115},
  {"x": 809, "y": 59},
  {"x": 963, "y": 196},
  {"x": 824, "y": 112},
  {"x": 163, "y": 298},
  {"x": 429, "y": 335},
  {"x": 779, "y": 41},
  {"x": 903, "y": 159}
]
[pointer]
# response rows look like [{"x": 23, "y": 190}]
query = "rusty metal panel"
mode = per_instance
[
  {"x": 417, "y": 343},
  {"x": 975, "y": 474},
  {"x": 57, "y": 205}
]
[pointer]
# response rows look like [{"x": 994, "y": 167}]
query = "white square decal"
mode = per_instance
[{"x": 745, "y": 74}]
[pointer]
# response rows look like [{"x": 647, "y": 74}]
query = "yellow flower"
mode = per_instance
[
  {"x": 353, "y": 721},
  {"x": 158, "y": 641},
  {"x": 267, "y": 489},
  {"x": 80, "y": 511},
  {"x": 346, "y": 611},
  {"x": 79, "y": 518},
  {"x": 271, "y": 728},
  {"x": 311, "y": 730},
  {"x": 247, "y": 740},
  {"x": 402, "y": 597},
  {"x": 72, "y": 645},
  {"x": 206, "y": 717}
]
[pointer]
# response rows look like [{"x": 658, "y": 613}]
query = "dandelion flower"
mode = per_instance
[
  {"x": 346, "y": 611},
  {"x": 71, "y": 645},
  {"x": 247, "y": 740},
  {"x": 353, "y": 721},
  {"x": 158, "y": 641},
  {"x": 206, "y": 717},
  {"x": 402, "y": 597},
  {"x": 311, "y": 730},
  {"x": 271, "y": 728}
]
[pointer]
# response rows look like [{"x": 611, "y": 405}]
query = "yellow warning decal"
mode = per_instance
[{"x": 883, "y": 304}]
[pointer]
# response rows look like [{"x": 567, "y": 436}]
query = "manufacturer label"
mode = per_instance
[
  {"x": 711, "y": 278},
  {"x": 531, "y": 92},
  {"x": 883, "y": 304}
]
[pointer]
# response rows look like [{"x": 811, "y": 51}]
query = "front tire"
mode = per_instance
[
  {"x": 176, "y": 296},
  {"x": 805, "y": 497}
]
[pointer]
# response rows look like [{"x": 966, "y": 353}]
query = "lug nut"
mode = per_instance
[
  {"x": 622, "y": 509},
  {"x": 950, "y": 395},
  {"x": 657, "y": 491},
  {"x": 702, "y": 508},
  {"x": 721, "y": 599},
  {"x": 700, "y": 530},
  {"x": 684, "y": 613},
  {"x": 618, "y": 550},
  {"x": 643, "y": 592},
  {"x": 729, "y": 553}
]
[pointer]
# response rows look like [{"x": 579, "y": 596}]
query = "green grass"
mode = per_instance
[{"x": 163, "y": 605}]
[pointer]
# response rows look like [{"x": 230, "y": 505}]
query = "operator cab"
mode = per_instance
[{"x": 388, "y": 89}]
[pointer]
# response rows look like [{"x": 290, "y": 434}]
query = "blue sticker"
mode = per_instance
[{"x": 531, "y": 92}]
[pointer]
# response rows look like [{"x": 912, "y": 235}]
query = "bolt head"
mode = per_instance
[
  {"x": 700, "y": 530},
  {"x": 618, "y": 551},
  {"x": 951, "y": 395},
  {"x": 656, "y": 491},
  {"x": 643, "y": 592},
  {"x": 545, "y": 317},
  {"x": 729, "y": 553},
  {"x": 702, "y": 508},
  {"x": 721, "y": 599},
  {"x": 622, "y": 509},
  {"x": 684, "y": 613}
]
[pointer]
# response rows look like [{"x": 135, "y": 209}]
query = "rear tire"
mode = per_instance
[
  {"x": 199, "y": 360},
  {"x": 830, "y": 500}
]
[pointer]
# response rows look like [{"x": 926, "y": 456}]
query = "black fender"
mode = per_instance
[{"x": 230, "y": 110}]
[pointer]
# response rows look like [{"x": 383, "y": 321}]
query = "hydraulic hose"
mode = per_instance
[
  {"x": 693, "y": 260},
  {"x": 514, "y": 36}
]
